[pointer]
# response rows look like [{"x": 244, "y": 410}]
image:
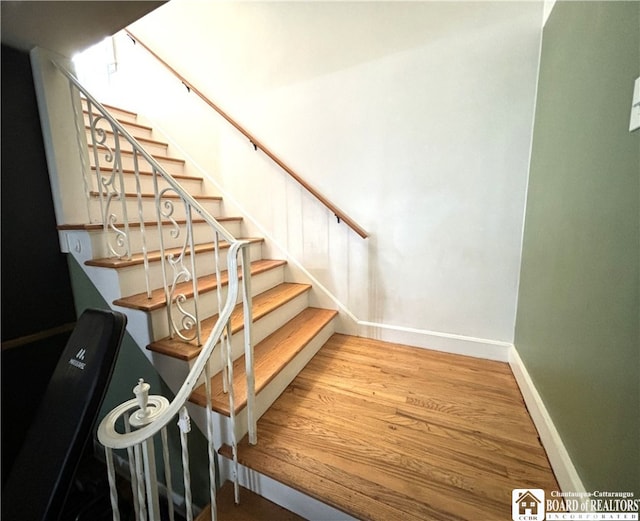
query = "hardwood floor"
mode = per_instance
[
  {"x": 251, "y": 508},
  {"x": 387, "y": 432}
]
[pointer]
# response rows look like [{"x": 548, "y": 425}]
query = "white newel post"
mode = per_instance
[{"x": 149, "y": 408}]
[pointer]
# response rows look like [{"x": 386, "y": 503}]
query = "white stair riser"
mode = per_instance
[
  {"x": 192, "y": 186},
  {"x": 270, "y": 393},
  {"x": 132, "y": 279},
  {"x": 149, "y": 212},
  {"x": 129, "y": 126},
  {"x": 209, "y": 301},
  {"x": 171, "y": 166},
  {"x": 262, "y": 328},
  {"x": 202, "y": 233}
]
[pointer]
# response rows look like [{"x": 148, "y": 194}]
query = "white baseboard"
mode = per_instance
[
  {"x": 561, "y": 463},
  {"x": 437, "y": 341}
]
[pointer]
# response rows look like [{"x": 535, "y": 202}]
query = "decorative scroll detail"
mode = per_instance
[
  {"x": 185, "y": 326},
  {"x": 120, "y": 237},
  {"x": 110, "y": 186}
]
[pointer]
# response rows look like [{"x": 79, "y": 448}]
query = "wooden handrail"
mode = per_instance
[{"x": 340, "y": 215}]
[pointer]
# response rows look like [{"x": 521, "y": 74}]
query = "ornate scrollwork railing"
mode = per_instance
[
  {"x": 188, "y": 326},
  {"x": 110, "y": 186},
  {"x": 116, "y": 155}
]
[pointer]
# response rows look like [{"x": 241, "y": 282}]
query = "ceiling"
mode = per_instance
[{"x": 66, "y": 27}]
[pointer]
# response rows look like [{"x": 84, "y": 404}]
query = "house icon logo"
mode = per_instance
[{"x": 527, "y": 504}]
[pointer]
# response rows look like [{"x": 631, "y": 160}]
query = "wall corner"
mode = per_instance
[{"x": 60, "y": 136}]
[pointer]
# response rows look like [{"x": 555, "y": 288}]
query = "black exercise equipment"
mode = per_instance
[{"x": 43, "y": 471}]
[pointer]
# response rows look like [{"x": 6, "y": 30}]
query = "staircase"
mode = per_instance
[{"x": 286, "y": 332}]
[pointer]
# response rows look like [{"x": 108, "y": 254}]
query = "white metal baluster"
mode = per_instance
[
  {"x": 132, "y": 472},
  {"x": 210, "y": 443},
  {"x": 141, "y": 418},
  {"x": 167, "y": 472},
  {"x": 143, "y": 234},
  {"x": 96, "y": 162},
  {"x": 142, "y": 500},
  {"x": 248, "y": 344},
  {"x": 123, "y": 238},
  {"x": 113, "y": 491},
  {"x": 82, "y": 144},
  {"x": 123, "y": 194},
  {"x": 223, "y": 356},
  {"x": 232, "y": 416},
  {"x": 163, "y": 261},
  {"x": 194, "y": 275},
  {"x": 134, "y": 483},
  {"x": 185, "y": 427},
  {"x": 153, "y": 502}
]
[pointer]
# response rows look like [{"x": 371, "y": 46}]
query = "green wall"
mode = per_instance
[
  {"x": 130, "y": 366},
  {"x": 577, "y": 328}
]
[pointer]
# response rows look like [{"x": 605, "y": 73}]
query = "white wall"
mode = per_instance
[{"x": 415, "y": 118}]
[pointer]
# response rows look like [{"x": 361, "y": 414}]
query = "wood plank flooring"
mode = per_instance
[{"x": 387, "y": 432}]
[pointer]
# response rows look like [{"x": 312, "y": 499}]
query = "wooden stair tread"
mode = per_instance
[
  {"x": 270, "y": 357},
  {"x": 147, "y": 224},
  {"x": 263, "y": 304},
  {"x": 125, "y": 122},
  {"x": 207, "y": 283},
  {"x": 252, "y": 507},
  {"x": 156, "y": 256},
  {"x": 107, "y": 106},
  {"x": 155, "y": 156},
  {"x": 132, "y": 195}
]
